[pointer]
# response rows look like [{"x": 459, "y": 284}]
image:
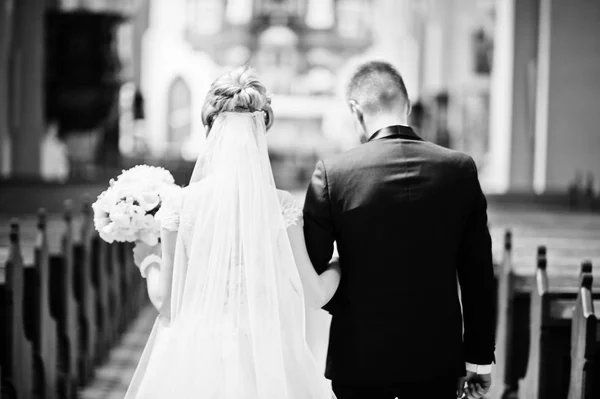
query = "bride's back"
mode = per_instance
[{"x": 237, "y": 309}]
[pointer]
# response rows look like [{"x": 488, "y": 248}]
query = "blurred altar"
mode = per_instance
[
  {"x": 88, "y": 87},
  {"x": 304, "y": 50},
  {"x": 123, "y": 82}
]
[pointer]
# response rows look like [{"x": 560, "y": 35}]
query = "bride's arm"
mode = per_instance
[
  {"x": 156, "y": 266},
  {"x": 318, "y": 289},
  {"x": 159, "y": 276}
]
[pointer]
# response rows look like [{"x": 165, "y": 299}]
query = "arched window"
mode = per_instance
[{"x": 179, "y": 114}]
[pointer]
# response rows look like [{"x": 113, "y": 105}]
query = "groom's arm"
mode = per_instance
[
  {"x": 476, "y": 278},
  {"x": 318, "y": 223}
]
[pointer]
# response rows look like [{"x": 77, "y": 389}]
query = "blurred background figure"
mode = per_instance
[
  {"x": 417, "y": 116},
  {"x": 440, "y": 122},
  {"x": 55, "y": 163}
]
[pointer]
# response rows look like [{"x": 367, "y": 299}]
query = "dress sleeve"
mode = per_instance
[
  {"x": 292, "y": 213},
  {"x": 170, "y": 210}
]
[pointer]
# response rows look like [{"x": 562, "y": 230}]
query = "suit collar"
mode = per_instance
[{"x": 398, "y": 131}]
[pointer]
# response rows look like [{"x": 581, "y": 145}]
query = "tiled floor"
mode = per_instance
[{"x": 112, "y": 379}]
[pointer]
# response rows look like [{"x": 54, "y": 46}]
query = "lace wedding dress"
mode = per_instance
[{"x": 233, "y": 325}]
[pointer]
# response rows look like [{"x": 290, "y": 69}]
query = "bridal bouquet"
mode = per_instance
[{"x": 125, "y": 211}]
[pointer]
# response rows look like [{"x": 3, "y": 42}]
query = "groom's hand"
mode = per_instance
[{"x": 474, "y": 386}]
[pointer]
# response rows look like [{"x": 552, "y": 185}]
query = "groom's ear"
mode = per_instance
[{"x": 355, "y": 109}]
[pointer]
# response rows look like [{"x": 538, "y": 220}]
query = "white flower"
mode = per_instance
[
  {"x": 149, "y": 200},
  {"x": 102, "y": 207},
  {"x": 105, "y": 201},
  {"x": 128, "y": 210},
  {"x": 107, "y": 233},
  {"x": 119, "y": 215},
  {"x": 146, "y": 172},
  {"x": 101, "y": 222}
]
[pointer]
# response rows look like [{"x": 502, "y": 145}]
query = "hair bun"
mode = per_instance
[{"x": 238, "y": 90}]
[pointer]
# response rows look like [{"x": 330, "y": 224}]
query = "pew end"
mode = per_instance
[
  {"x": 512, "y": 326},
  {"x": 16, "y": 355},
  {"x": 553, "y": 318},
  {"x": 585, "y": 348},
  {"x": 61, "y": 314}
]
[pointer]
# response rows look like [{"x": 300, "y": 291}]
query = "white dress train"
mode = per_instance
[
  {"x": 231, "y": 305},
  {"x": 186, "y": 359}
]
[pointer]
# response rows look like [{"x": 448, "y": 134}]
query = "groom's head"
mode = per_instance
[{"x": 376, "y": 94}]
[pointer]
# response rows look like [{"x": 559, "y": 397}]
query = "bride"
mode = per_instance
[{"x": 235, "y": 275}]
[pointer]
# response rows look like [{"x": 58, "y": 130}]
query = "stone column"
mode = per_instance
[
  {"x": 526, "y": 26},
  {"x": 544, "y": 119},
  {"x": 511, "y": 105},
  {"x": 512, "y": 121},
  {"x": 567, "y": 132},
  {"x": 27, "y": 94}
]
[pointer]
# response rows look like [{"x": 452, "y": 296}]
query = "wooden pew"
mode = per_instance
[
  {"x": 585, "y": 344},
  {"x": 3, "y": 322},
  {"x": 66, "y": 311},
  {"x": 60, "y": 316},
  {"x": 100, "y": 258},
  {"x": 548, "y": 370},
  {"x": 513, "y": 321},
  {"x": 85, "y": 293},
  {"x": 139, "y": 296},
  {"x": 115, "y": 294},
  {"x": 30, "y": 316},
  {"x": 45, "y": 340},
  {"x": 512, "y": 328},
  {"x": 124, "y": 274},
  {"x": 135, "y": 286},
  {"x": 17, "y": 351}
]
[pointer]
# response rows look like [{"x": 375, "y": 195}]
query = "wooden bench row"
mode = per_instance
[
  {"x": 547, "y": 333},
  {"x": 61, "y": 316}
]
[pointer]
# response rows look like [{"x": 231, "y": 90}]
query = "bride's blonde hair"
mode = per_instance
[{"x": 237, "y": 91}]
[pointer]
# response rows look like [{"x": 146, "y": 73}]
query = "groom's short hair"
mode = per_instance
[{"x": 377, "y": 86}]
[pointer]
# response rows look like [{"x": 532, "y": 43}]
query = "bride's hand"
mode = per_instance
[{"x": 142, "y": 250}]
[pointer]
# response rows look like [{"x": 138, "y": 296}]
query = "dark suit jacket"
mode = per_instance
[{"x": 408, "y": 217}]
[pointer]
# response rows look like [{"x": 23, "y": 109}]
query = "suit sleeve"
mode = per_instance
[
  {"x": 476, "y": 278},
  {"x": 318, "y": 222}
]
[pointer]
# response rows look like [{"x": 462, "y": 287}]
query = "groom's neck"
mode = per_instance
[{"x": 377, "y": 123}]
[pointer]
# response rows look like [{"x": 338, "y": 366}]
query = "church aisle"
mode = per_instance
[{"x": 112, "y": 378}]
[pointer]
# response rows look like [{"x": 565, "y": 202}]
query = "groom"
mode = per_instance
[{"x": 409, "y": 219}]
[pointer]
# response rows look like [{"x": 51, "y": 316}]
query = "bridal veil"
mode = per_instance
[{"x": 235, "y": 326}]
